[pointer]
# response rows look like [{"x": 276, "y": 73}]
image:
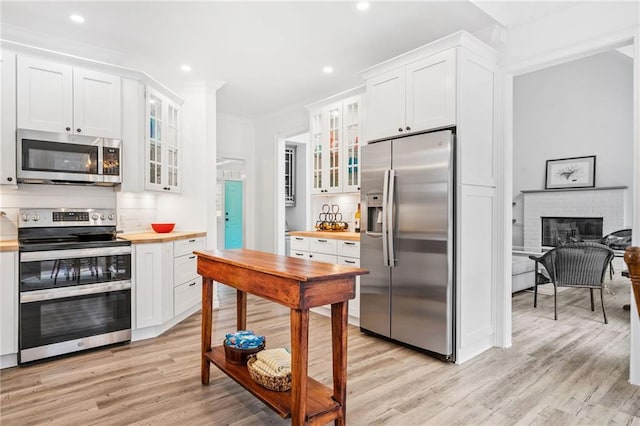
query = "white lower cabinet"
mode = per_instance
[
  {"x": 167, "y": 283},
  {"x": 330, "y": 250},
  {"x": 153, "y": 284},
  {"x": 8, "y": 303},
  {"x": 187, "y": 282}
]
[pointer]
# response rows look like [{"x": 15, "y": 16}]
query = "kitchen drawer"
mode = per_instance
[
  {"x": 187, "y": 246},
  {"x": 323, "y": 245},
  {"x": 299, "y": 254},
  {"x": 184, "y": 268},
  {"x": 349, "y": 248},
  {"x": 349, "y": 261},
  {"x": 321, "y": 257},
  {"x": 186, "y": 295},
  {"x": 299, "y": 244}
]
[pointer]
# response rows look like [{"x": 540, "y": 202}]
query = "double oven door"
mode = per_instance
[{"x": 74, "y": 299}]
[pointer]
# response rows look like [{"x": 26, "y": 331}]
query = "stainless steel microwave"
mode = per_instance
[{"x": 45, "y": 157}]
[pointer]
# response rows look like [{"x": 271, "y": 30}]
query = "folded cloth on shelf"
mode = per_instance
[
  {"x": 243, "y": 339},
  {"x": 278, "y": 360}
]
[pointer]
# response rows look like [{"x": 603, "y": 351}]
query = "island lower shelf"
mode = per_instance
[{"x": 319, "y": 397}]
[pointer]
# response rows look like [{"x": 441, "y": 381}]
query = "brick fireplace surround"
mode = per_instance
[{"x": 608, "y": 203}]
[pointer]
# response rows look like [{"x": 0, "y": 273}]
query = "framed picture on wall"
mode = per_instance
[{"x": 576, "y": 172}]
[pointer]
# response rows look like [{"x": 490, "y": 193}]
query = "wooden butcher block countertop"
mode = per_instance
[
  {"x": 154, "y": 237},
  {"x": 9, "y": 245},
  {"x": 336, "y": 235}
]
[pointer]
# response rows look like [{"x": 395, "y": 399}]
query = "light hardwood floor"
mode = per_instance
[{"x": 570, "y": 371}]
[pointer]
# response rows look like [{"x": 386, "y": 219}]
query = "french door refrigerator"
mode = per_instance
[{"x": 406, "y": 241}]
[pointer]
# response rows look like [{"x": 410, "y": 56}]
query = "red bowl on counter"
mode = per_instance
[{"x": 163, "y": 228}]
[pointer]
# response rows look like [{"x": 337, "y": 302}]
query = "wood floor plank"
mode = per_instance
[{"x": 571, "y": 371}]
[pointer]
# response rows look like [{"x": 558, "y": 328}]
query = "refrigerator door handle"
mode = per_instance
[
  {"x": 390, "y": 217},
  {"x": 385, "y": 238}
]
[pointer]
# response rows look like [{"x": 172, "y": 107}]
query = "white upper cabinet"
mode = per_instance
[
  {"x": 97, "y": 104},
  {"x": 335, "y": 132},
  {"x": 8, "y": 116},
  {"x": 59, "y": 98},
  {"x": 162, "y": 152},
  {"x": 418, "y": 96}
]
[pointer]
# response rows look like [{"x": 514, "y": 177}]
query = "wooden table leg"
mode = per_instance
[
  {"x": 241, "y": 308},
  {"x": 299, "y": 364},
  {"x": 207, "y": 303},
  {"x": 339, "y": 334}
]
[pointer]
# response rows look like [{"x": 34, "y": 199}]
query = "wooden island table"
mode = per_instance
[{"x": 298, "y": 284}]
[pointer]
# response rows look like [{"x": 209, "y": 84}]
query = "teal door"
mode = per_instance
[{"x": 232, "y": 214}]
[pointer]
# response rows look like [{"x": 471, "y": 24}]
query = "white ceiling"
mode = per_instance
[{"x": 270, "y": 54}]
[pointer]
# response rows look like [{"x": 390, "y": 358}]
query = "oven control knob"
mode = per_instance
[
  {"x": 35, "y": 218},
  {"x": 25, "y": 217},
  {"x": 103, "y": 216},
  {"x": 111, "y": 216},
  {"x": 95, "y": 216}
]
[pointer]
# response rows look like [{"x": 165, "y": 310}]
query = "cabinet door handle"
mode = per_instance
[
  {"x": 192, "y": 284},
  {"x": 78, "y": 130},
  {"x": 399, "y": 129},
  {"x": 298, "y": 238},
  {"x": 192, "y": 241},
  {"x": 68, "y": 129},
  {"x": 349, "y": 261},
  {"x": 322, "y": 241},
  {"x": 192, "y": 257},
  {"x": 347, "y": 243},
  {"x": 408, "y": 128},
  {"x": 10, "y": 179}
]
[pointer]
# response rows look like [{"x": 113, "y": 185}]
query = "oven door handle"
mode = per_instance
[
  {"x": 37, "y": 256},
  {"x": 78, "y": 290}
]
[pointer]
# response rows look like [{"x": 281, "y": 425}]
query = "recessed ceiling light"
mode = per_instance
[
  {"x": 185, "y": 68},
  {"x": 77, "y": 18},
  {"x": 362, "y": 5},
  {"x": 327, "y": 70}
]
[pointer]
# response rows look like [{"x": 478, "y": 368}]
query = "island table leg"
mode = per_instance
[
  {"x": 241, "y": 310},
  {"x": 339, "y": 334},
  {"x": 299, "y": 364},
  {"x": 207, "y": 304}
]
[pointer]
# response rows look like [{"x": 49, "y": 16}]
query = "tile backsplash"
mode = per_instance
[
  {"x": 136, "y": 211},
  {"x": 348, "y": 205}
]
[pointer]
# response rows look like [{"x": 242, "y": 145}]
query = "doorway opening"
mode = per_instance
[
  {"x": 230, "y": 202},
  {"x": 293, "y": 188}
]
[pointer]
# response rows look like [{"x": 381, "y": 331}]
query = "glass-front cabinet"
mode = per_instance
[
  {"x": 335, "y": 132},
  {"x": 163, "y": 144}
]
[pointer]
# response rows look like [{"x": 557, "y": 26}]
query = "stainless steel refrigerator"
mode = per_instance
[{"x": 406, "y": 241}]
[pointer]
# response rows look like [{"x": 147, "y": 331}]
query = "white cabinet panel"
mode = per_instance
[
  {"x": 385, "y": 104},
  {"x": 300, "y": 254},
  {"x": 431, "y": 92},
  {"x": 97, "y": 108},
  {"x": 56, "y": 97},
  {"x": 349, "y": 248},
  {"x": 45, "y": 95},
  {"x": 323, "y": 245},
  {"x": 299, "y": 243},
  {"x": 8, "y": 302},
  {"x": 8, "y": 116},
  {"x": 321, "y": 257},
  {"x": 188, "y": 246},
  {"x": 185, "y": 268},
  {"x": 187, "y": 295},
  {"x": 354, "y": 304},
  {"x": 153, "y": 283}
]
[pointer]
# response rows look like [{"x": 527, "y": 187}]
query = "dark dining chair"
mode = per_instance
[{"x": 578, "y": 265}]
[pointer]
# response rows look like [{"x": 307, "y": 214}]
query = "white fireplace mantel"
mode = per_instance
[{"x": 606, "y": 202}]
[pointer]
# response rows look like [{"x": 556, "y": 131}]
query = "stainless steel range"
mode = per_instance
[{"x": 75, "y": 282}]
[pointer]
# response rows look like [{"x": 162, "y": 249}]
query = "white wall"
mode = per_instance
[
  {"x": 194, "y": 208},
  {"x": 583, "y": 107},
  {"x": 236, "y": 139},
  {"x": 572, "y": 33},
  {"x": 289, "y": 122}
]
